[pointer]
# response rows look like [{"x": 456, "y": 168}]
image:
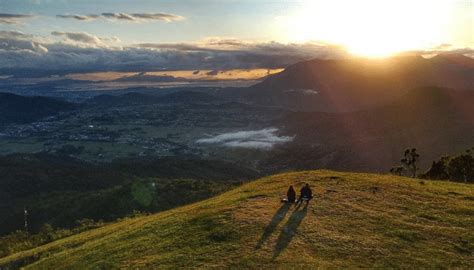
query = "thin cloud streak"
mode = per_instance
[
  {"x": 78, "y": 17},
  {"x": 120, "y": 16},
  {"x": 9, "y": 18}
]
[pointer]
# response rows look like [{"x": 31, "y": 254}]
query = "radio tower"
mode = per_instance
[{"x": 26, "y": 218}]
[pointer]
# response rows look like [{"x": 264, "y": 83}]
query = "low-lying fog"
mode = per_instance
[{"x": 254, "y": 139}]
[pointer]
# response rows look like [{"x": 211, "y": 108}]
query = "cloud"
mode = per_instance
[
  {"x": 224, "y": 54},
  {"x": 305, "y": 92},
  {"x": 78, "y": 37},
  {"x": 14, "y": 34},
  {"x": 86, "y": 39},
  {"x": 254, "y": 139},
  {"x": 79, "y": 17},
  {"x": 185, "y": 47},
  {"x": 120, "y": 16},
  {"x": 8, "y": 18},
  {"x": 84, "y": 52},
  {"x": 20, "y": 42},
  {"x": 215, "y": 45},
  {"x": 158, "y": 16},
  {"x": 22, "y": 53}
]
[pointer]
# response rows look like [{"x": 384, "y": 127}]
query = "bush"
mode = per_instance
[
  {"x": 438, "y": 170},
  {"x": 22, "y": 240},
  {"x": 459, "y": 168}
]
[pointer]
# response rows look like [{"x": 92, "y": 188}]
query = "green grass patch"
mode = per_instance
[{"x": 349, "y": 224}]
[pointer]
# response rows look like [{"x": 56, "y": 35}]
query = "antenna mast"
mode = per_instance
[{"x": 26, "y": 218}]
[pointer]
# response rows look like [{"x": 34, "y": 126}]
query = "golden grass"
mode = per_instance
[{"x": 355, "y": 220}]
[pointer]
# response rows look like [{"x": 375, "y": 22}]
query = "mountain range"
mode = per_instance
[
  {"x": 357, "y": 84},
  {"x": 352, "y": 114}
]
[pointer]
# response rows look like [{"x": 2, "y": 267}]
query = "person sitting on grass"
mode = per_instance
[
  {"x": 290, "y": 195},
  {"x": 306, "y": 194}
]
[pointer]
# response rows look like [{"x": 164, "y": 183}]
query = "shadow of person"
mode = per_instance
[
  {"x": 277, "y": 218},
  {"x": 289, "y": 230}
]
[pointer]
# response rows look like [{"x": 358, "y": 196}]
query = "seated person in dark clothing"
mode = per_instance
[
  {"x": 291, "y": 194},
  {"x": 306, "y": 194}
]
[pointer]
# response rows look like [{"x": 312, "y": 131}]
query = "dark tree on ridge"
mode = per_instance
[{"x": 410, "y": 161}]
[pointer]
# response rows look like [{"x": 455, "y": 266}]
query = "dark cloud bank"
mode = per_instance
[
  {"x": 83, "y": 52},
  {"x": 27, "y": 55}
]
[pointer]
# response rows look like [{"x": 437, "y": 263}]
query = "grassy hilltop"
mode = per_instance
[{"x": 355, "y": 220}]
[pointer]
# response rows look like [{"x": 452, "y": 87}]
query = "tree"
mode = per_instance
[
  {"x": 456, "y": 168},
  {"x": 410, "y": 161},
  {"x": 461, "y": 168},
  {"x": 438, "y": 169}
]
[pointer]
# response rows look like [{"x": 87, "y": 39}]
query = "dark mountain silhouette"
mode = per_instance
[
  {"x": 355, "y": 84},
  {"x": 437, "y": 121},
  {"x": 21, "y": 109},
  {"x": 143, "y": 77}
]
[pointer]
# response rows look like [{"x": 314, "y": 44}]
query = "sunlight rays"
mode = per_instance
[{"x": 372, "y": 28}]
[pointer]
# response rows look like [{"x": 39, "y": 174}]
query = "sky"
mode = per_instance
[{"x": 136, "y": 35}]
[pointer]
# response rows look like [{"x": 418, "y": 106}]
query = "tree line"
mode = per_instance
[{"x": 458, "y": 168}]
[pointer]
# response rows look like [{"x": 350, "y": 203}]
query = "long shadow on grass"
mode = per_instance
[
  {"x": 277, "y": 218},
  {"x": 289, "y": 230}
]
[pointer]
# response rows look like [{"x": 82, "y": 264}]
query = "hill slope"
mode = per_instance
[
  {"x": 60, "y": 190},
  {"x": 355, "y": 220},
  {"x": 20, "y": 109},
  {"x": 436, "y": 121}
]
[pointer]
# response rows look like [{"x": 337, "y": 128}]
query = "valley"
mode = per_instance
[
  {"x": 151, "y": 165},
  {"x": 269, "y": 138}
]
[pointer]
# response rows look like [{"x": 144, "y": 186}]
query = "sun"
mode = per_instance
[{"x": 371, "y": 28}]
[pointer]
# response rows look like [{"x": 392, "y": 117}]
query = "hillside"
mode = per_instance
[
  {"x": 436, "y": 121},
  {"x": 60, "y": 190},
  {"x": 358, "y": 83},
  {"x": 20, "y": 109},
  {"x": 355, "y": 220}
]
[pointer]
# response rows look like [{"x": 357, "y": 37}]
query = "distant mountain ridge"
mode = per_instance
[
  {"x": 22, "y": 109},
  {"x": 355, "y": 84}
]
